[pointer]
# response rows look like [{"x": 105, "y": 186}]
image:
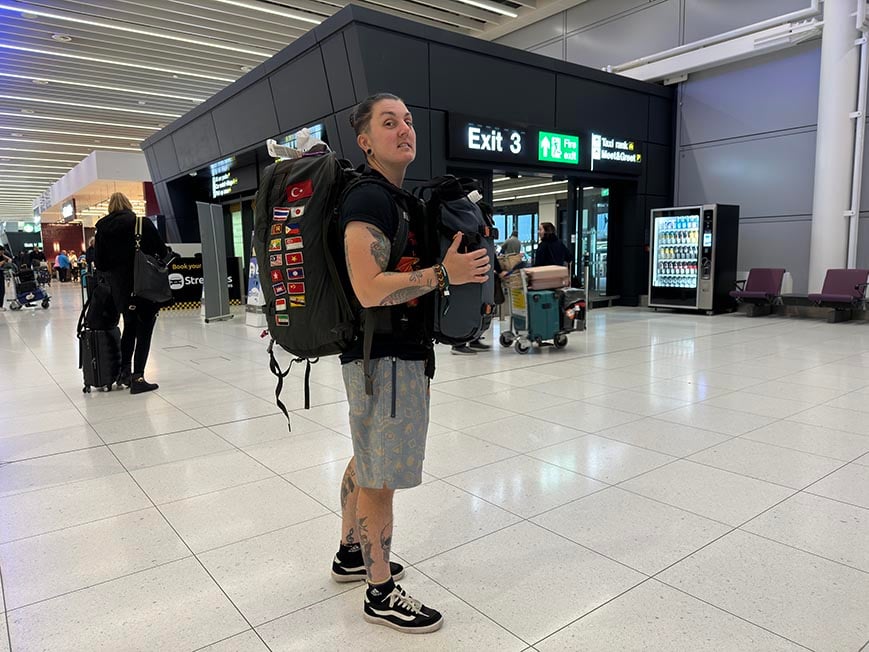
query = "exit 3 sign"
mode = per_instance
[{"x": 557, "y": 148}]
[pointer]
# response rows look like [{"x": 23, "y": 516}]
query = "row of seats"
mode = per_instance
[{"x": 844, "y": 291}]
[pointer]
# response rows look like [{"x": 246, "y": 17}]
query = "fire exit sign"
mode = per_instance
[{"x": 557, "y": 148}]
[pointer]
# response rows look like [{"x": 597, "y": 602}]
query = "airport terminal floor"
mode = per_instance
[{"x": 666, "y": 482}]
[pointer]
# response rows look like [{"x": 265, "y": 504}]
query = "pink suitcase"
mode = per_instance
[{"x": 547, "y": 277}]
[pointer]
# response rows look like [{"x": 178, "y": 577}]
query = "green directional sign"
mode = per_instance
[{"x": 557, "y": 148}]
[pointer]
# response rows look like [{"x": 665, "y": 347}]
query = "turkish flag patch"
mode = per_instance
[{"x": 300, "y": 190}]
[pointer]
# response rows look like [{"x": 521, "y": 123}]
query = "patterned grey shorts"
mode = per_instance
[{"x": 389, "y": 428}]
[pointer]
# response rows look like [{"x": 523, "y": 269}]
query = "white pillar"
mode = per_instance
[
  {"x": 837, "y": 98},
  {"x": 546, "y": 210}
]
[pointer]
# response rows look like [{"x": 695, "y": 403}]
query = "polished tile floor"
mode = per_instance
[{"x": 666, "y": 482}]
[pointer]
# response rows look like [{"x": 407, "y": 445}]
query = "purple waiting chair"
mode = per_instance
[
  {"x": 760, "y": 291},
  {"x": 844, "y": 290}
]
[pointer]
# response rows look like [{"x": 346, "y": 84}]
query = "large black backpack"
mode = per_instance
[
  {"x": 466, "y": 312},
  {"x": 310, "y": 308}
]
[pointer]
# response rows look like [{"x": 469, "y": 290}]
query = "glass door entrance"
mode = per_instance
[{"x": 592, "y": 224}]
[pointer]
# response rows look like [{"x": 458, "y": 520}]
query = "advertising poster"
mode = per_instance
[{"x": 186, "y": 282}]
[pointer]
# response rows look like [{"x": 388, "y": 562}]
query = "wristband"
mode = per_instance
[{"x": 443, "y": 279}]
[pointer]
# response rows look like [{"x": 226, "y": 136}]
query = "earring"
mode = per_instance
[{"x": 368, "y": 151}]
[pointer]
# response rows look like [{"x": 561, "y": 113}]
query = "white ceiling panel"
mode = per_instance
[{"x": 79, "y": 75}]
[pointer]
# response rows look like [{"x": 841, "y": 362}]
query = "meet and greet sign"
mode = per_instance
[{"x": 495, "y": 142}]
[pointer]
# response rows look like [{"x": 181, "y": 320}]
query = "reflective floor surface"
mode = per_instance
[{"x": 666, "y": 482}]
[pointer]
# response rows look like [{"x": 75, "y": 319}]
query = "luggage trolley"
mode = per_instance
[
  {"x": 28, "y": 290},
  {"x": 542, "y": 316}
]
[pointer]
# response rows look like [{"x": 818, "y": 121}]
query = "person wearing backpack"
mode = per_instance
[{"x": 389, "y": 423}]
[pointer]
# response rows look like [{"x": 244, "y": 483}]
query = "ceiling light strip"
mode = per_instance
[
  {"x": 39, "y": 167},
  {"x": 31, "y": 116},
  {"x": 4, "y": 158},
  {"x": 275, "y": 12},
  {"x": 37, "y": 151},
  {"x": 495, "y": 9},
  {"x": 71, "y": 133},
  {"x": 131, "y": 30},
  {"x": 536, "y": 185},
  {"x": 54, "y": 142},
  {"x": 102, "y": 87},
  {"x": 540, "y": 194},
  {"x": 99, "y": 107},
  {"x": 66, "y": 55}
]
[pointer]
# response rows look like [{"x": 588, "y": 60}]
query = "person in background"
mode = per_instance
[
  {"x": 89, "y": 254},
  {"x": 63, "y": 265},
  {"x": 73, "y": 266},
  {"x": 4, "y": 261},
  {"x": 551, "y": 250},
  {"x": 114, "y": 252},
  {"x": 512, "y": 245}
]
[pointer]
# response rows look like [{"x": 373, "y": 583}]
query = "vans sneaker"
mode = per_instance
[
  {"x": 400, "y": 611},
  {"x": 350, "y": 571},
  {"x": 477, "y": 345},
  {"x": 462, "y": 350}
]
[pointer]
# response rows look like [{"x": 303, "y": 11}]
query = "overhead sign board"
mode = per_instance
[
  {"x": 610, "y": 154},
  {"x": 498, "y": 142},
  {"x": 557, "y": 148},
  {"x": 485, "y": 140}
]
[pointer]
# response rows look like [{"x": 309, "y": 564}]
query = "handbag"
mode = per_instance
[{"x": 150, "y": 275}]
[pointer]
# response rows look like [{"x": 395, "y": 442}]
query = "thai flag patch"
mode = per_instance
[{"x": 280, "y": 214}]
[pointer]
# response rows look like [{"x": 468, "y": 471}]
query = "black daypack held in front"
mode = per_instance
[
  {"x": 465, "y": 313},
  {"x": 309, "y": 304}
]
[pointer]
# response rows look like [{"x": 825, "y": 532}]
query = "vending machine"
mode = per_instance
[{"x": 693, "y": 257}]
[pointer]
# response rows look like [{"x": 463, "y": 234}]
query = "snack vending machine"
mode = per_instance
[{"x": 693, "y": 257}]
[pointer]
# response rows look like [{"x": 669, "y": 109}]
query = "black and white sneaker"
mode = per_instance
[
  {"x": 400, "y": 611},
  {"x": 477, "y": 345},
  {"x": 354, "y": 572}
]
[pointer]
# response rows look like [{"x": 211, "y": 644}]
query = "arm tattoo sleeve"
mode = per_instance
[{"x": 380, "y": 248}]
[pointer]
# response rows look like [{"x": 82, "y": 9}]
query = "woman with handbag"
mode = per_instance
[{"x": 119, "y": 236}]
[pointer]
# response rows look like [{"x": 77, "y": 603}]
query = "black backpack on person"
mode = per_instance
[
  {"x": 310, "y": 308},
  {"x": 465, "y": 313}
]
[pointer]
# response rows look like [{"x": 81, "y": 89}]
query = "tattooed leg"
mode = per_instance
[
  {"x": 349, "y": 495},
  {"x": 374, "y": 513}
]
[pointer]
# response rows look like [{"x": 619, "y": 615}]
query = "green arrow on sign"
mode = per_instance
[
  {"x": 557, "y": 148},
  {"x": 544, "y": 144}
]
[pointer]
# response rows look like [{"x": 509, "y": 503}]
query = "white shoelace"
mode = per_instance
[{"x": 404, "y": 601}]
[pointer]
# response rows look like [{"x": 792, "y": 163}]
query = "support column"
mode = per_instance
[
  {"x": 570, "y": 217},
  {"x": 837, "y": 98}
]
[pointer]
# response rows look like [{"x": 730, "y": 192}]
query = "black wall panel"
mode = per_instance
[
  {"x": 338, "y": 72},
  {"x": 438, "y": 142},
  {"x": 167, "y": 160},
  {"x": 357, "y": 69},
  {"x": 659, "y": 170},
  {"x": 394, "y": 63},
  {"x": 151, "y": 160},
  {"x": 196, "y": 143},
  {"x": 300, "y": 92},
  {"x": 249, "y": 118},
  {"x": 480, "y": 85},
  {"x": 163, "y": 202},
  {"x": 616, "y": 112},
  {"x": 661, "y": 121},
  {"x": 421, "y": 166},
  {"x": 347, "y": 138}
]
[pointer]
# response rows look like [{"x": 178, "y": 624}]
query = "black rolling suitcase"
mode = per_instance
[
  {"x": 99, "y": 348},
  {"x": 99, "y": 357}
]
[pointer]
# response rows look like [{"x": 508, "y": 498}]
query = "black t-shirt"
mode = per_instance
[{"x": 375, "y": 205}]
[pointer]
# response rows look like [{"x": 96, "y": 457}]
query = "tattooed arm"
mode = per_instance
[{"x": 367, "y": 251}]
